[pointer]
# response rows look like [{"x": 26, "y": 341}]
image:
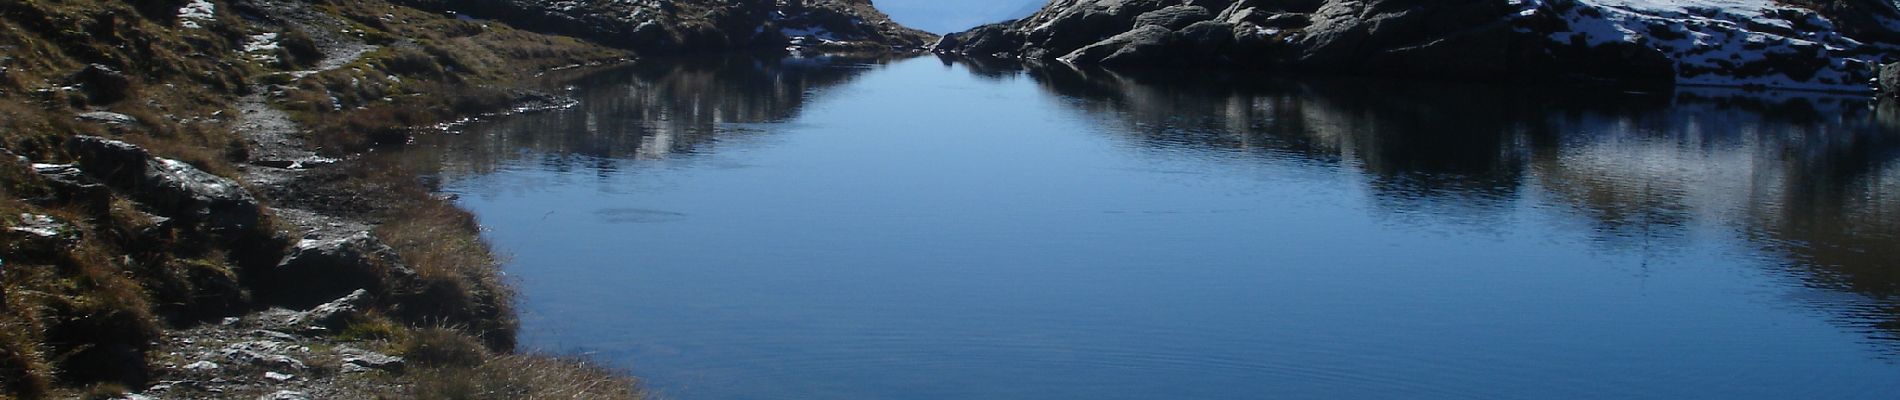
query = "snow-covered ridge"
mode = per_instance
[{"x": 1742, "y": 43}]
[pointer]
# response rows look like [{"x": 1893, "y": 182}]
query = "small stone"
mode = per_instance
[
  {"x": 334, "y": 314},
  {"x": 279, "y": 377},
  {"x": 201, "y": 366},
  {"x": 374, "y": 361},
  {"x": 276, "y": 335},
  {"x": 285, "y": 395},
  {"x": 108, "y": 118}
]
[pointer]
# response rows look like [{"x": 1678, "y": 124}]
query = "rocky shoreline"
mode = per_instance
[
  {"x": 195, "y": 205},
  {"x": 1760, "y": 44}
]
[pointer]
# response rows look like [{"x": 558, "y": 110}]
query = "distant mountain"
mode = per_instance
[{"x": 941, "y": 16}]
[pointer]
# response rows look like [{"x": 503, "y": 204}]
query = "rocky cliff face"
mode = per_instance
[
  {"x": 675, "y": 26},
  {"x": 1786, "y": 44}
]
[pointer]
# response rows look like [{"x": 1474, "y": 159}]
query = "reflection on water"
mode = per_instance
[
  {"x": 1811, "y": 176},
  {"x": 745, "y": 227},
  {"x": 654, "y": 109}
]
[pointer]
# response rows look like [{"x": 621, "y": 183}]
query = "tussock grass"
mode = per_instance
[{"x": 458, "y": 368}]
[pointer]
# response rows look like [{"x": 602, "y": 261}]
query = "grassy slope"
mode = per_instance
[{"x": 84, "y": 311}]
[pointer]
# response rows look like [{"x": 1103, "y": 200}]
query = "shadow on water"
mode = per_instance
[{"x": 1814, "y": 179}]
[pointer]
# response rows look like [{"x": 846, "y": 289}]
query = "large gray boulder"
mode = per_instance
[
  {"x": 169, "y": 187},
  {"x": 320, "y": 269}
]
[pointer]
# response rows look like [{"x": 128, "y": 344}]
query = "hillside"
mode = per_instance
[
  {"x": 193, "y": 201},
  {"x": 1792, "y": 44}
]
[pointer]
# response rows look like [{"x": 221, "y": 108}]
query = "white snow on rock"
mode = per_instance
[
  {"x": 1736, "y": 43},
  {"x": 262, "y": 46},
  {"x": 803, "y": 35},
  {"x": 195, "y": 12}
]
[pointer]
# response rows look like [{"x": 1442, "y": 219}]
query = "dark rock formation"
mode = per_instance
[
  {"x": 170, "y": 187},
  {"x": 322, "y": 269},
  {"x": 102, "y": 84},
  {"x": 1648, "y": 45}
]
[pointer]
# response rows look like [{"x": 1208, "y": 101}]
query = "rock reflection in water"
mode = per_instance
[
  {"x": 1811, "y": 176},
  {"x": 653, "y": 109}
]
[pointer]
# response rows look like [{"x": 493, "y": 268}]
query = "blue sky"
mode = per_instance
[{"x": 945, "y": 16}]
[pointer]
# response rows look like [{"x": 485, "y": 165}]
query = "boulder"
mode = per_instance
[
  {"x": 319, "y": 270},
  {"x": 335, "y": 314},
  {"x": 102, "y": 84},
  {"x": 37, "y": 237},
  {"x": 169, "y": 187},
  {"x": 359, "y": 360},
  {"x": 72, "y": 186}
]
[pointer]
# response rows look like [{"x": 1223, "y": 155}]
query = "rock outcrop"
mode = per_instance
[
  {"x": 673, "y": 26},
  {"x": 170, "y": 187},
  {"x": 322, "y": 269},
  {"x": 1819, "y": 45}
]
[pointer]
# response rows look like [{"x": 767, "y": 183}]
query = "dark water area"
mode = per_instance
[{"x": 753, "y": 228}]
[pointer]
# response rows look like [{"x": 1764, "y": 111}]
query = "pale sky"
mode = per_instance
[{"x": 946, "y": 16}]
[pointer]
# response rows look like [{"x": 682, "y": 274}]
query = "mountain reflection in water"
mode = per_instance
[{"x": 851, "y": 227}]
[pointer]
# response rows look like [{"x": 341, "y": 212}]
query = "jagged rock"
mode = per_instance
[
  {"x": 1144, "y": 45},
  {"x": 72, "y": 186},
  {"x": 322, "y": 269},
  {"x": 358, "y": 360},
  {"x": 108, "y": 118},
  {"x": 1173, "y": 17},
  {"x": 37, "y": 236},
  {"x": 334, "y": 314},
  {"x": 1890, "y": 80},
  {"x": 101, "y": 83},
  {"x": 278, "y": 377},
  {"x": 168, "y": 186},
  {"x": 41, "y": 227},
  {"x": 117, "y": 162}
]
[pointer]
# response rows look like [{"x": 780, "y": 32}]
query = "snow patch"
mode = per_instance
[
  {"x": 262, "y": 46},
  {"x": 802, "y": 35},
  {"x": 195, "y": 12},
  {"x": 1739, "y": 43}
]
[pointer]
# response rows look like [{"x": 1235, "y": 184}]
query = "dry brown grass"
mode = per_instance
[
  {"x": 457, "y": 368},
  {"x": 459, "y": 282}
]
